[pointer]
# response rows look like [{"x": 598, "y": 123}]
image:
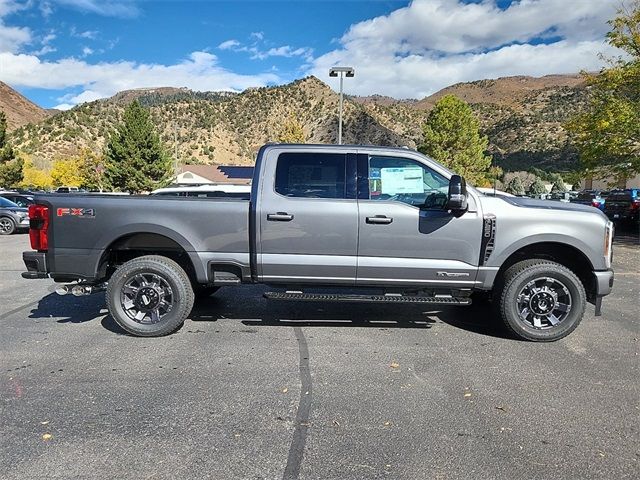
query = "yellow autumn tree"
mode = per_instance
[
  {"x": 33, "y": 177},
  {"x": 292, "y": 131},
  {"x": 66, "y": 172}
]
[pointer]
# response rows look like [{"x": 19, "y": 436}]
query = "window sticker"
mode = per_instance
[{"x": 402, "y": 180}]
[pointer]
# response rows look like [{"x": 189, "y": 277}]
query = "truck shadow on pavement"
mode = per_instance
[
  {"x": 69, "y": 309},
  {"x": 260, "y": 313},
  {"x": 476, "y": 318}
]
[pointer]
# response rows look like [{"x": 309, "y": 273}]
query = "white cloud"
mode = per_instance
[
  {"x": 13, "y": 38},
  {"x": 107, "y": 8},
  {"x": 416, "y": 50},
  {"x": 45, "y": 9},
  {"x": 88, "y": 34},
  {"x": 284, "y": 51},
  {"x": 200, "y": 71},
  {"x": 259, "y": 49},
  {"x": 86, "y": 51},
  {"x": 229, "y": 45}
]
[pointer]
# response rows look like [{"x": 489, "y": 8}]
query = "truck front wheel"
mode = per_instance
[
  {"x": 540, "y": 300},
  {"x": 150, "y": 296}
]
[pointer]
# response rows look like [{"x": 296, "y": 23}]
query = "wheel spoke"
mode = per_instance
[
  {"x": 563, "y": 307},
  {"x": 155, "y": 316},
  {"x": 553, "y": 319},
  {"x": 537, "y": 322},
  {"x": 139, "y": 316},
  {"x": 129, "y": 289},
  {"x": 128, "y": 304}
]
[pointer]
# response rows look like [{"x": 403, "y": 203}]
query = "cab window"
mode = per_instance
[
  {"x": 311, "y": 175},
  {"x": 407, "y": 181}
]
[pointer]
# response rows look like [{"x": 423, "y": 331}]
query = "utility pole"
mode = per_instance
[
  {"x": 175, "y": 145},
  {"x": 341, "y": 72}
]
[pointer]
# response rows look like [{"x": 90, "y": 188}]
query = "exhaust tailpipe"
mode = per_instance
[
  {"x": 80, "y": 289},
  {"x": 63, "y": 290}
]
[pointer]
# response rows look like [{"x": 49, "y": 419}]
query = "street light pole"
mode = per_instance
[
  {"x": 340, "y": 112},
  {"x": 341, "y": 72}
]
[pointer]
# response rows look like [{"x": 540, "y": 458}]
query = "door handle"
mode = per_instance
[
  {"x": 379, "y": 220},
  {"x": 279, "y": 217}
]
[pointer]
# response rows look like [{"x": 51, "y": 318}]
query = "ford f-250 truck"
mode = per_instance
[{"x": 368, "y": 224}]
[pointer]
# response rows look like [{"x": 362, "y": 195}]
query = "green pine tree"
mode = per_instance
[
  {"x": 558, "y": 187},
  {"x": 452, "y": 137},
  {"x": 515, "y": 186},
  {"x": 537, "y": 187},
  {"x": 10, "y": 165},
  {"x": 135, "y": 159}
]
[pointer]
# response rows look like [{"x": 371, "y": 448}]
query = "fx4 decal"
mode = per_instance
[{"x": 76, "y": 212}]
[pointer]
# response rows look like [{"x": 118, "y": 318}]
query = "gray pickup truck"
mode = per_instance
[{"x": 330, "y": 223}]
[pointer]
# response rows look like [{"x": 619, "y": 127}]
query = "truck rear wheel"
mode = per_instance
[
  {"x": 540, "y": 300},
  {"x": 150, "y": 296}
]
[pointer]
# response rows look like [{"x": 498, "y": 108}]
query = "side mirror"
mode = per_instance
[{"x": 457, "y": 197}]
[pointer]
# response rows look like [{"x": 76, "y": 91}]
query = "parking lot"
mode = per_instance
[{"x": 254, "y": 389}]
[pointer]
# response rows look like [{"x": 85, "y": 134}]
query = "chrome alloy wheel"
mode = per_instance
[
  {"x": 6, "y": 225},
  {"x": 544, "y": 302},
  {"x": 146, "y": 298}
]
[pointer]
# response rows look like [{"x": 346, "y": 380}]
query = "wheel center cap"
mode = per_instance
[
  {"x": 542, "y": 303},
  {"x": 147, "y": 299}
]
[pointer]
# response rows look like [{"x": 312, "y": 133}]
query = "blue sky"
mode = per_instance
[{"x": 62, "y": 52}]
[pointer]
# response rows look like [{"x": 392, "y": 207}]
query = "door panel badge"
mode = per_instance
[{"x": 453, "y": 274}]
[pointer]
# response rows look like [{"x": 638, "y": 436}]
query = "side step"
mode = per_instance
[{"x": 389, "y": 298}]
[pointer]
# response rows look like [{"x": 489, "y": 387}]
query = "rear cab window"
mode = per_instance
[{"x": 311, "y": 175}]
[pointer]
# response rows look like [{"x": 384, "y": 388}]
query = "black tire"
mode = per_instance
[
  {"x": 7, "y": 226},
  {"x": 204, "y": 291},
  {"x": 169, "y": 284},
  {"x": 513, "y": 301}
]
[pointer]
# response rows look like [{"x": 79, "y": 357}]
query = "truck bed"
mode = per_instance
[{"x": 83, "y": 227}]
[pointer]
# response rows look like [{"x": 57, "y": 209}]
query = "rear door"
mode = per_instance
[
  {"x": 308, "y": 226},
  {"x": 406, "y": 237}
]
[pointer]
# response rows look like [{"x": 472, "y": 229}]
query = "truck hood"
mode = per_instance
[{"x": 551, "y": 205}]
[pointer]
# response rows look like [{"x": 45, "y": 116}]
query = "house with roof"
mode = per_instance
[{"x": 214, "y": 175}]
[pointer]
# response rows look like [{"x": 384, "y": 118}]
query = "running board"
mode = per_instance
[{"x": 393, "y": 298}]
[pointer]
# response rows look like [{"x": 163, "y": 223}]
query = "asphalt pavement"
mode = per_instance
[{"x": 253, "y": 389}]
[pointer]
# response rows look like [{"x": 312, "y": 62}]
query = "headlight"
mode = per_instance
[{"x": 608, "y": 244}]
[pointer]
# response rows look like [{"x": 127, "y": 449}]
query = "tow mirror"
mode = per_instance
[{"x": 457, "y": 197}]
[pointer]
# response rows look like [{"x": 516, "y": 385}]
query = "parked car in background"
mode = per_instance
[
  {"x": 493, "y": 192},
  {"x": 559, "y": 196},
  {"x": 206, "y": 191},
  {"x": 595, "y": 198},
  {"x": 69, "y": 190},
  {"x": 19, "y": 199},
  {"x": 623, "y": 205},
  {"x": 12, "y": 217}
]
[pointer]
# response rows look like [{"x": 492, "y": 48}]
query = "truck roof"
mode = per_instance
[{"x": 326, "y": 146}]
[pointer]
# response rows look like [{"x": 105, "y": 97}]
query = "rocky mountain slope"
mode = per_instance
[
  {"x": 19, "y": 110},
  {"x": 521, "y": 115}
]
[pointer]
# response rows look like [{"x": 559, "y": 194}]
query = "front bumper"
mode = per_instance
[{"x": 36, "y": 263}]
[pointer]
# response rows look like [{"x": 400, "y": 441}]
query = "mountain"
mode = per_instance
[
  {"x": 522, "y": 116},
  {"x": 19, "y": 110}
]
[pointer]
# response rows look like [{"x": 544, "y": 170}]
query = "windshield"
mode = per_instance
[{"x": 4, "y": 203}]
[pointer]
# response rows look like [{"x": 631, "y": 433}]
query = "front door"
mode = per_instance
[
  {"x": 308, "y": 226},
  {"x": 406, "y": 236}
]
